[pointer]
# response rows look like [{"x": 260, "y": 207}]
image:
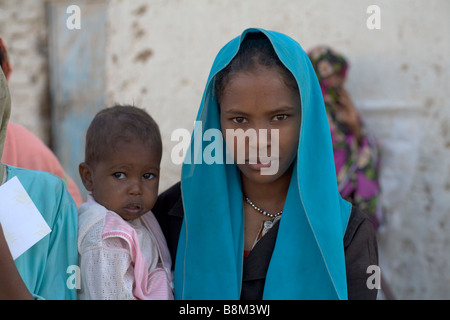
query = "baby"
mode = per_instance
[{"x": 123, "y": 253}]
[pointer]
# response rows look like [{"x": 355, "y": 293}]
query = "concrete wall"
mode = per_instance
[{"x": 158, "y": 57}]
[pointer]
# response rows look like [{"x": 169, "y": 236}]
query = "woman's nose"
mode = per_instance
[{"x": 261, "y": 145}]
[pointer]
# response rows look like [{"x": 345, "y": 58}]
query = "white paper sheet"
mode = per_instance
[{"x": 22, "y": 223}]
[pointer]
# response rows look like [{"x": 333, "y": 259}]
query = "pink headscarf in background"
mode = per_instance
[{"x": 25, "y": 150}]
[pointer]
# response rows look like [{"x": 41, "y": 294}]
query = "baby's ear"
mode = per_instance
[{"x": 86, "y": 175}]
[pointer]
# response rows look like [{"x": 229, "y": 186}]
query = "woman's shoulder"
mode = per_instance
[
  {"x": 169, "y": 202},
  {"x": 361, "y": 252},
  {"x": 172, "y": 192},
  {"x": 48, "y": 193},
  {"x": 359, "y": 226},
  {"x": 35, "y": 180},
  {"x": 169, "y": 212}
]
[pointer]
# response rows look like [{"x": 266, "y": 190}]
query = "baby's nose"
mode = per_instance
[{"x": 135, "y": 188}]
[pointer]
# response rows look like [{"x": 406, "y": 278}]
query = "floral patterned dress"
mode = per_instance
[{"x": 357, "y": 160}]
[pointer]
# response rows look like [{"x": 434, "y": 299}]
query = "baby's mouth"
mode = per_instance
[{"x": 133, "y": 208}]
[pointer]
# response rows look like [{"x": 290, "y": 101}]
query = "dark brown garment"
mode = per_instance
[{"x": 360, "y": 247}]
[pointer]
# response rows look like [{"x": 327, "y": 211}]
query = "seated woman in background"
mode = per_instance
[{"x": 356, "y": 152}]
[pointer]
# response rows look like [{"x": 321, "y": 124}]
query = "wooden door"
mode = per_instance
[{"x": 77, "y": 76}]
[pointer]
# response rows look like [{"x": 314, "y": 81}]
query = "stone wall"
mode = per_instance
[{"x": 23, "y": 28}]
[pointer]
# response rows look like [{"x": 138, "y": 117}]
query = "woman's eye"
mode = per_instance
[
  {"x": 119, "y": 175},
  {"x": 280, "y": 117},
  {"x": 239, "y": 120},
  {"x": 148, "y": 176}
]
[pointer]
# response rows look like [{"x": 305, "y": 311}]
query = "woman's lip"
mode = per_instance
[{"x": 258, "y": 165}]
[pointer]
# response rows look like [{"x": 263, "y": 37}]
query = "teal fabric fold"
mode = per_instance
[
  {"x": 308, "y": 260},
  {"x": 45, "y": 267}
]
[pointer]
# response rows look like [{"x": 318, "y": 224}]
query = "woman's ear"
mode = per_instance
[{"x": 86, "y": 176}]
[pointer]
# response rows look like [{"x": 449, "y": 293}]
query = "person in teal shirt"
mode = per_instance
[{"x": 44, "y": 271}]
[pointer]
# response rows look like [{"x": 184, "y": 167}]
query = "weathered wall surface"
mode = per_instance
[
  {"x": 23, "y": 28},
  {"x": 159, "y": 54}
]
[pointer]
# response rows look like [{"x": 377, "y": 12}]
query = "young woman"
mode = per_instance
[{"x": 239, "y": 233}]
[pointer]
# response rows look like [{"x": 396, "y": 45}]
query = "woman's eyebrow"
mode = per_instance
[{"x": 235, "y": 112}]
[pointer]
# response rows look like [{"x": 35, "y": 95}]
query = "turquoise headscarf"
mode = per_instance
[{"x": 308, "y": 259}]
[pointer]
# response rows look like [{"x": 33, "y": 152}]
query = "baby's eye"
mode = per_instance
[
  {"x": 280, "y": 117},
  {"x": 119, "y": 175},
  {"x": 240, "y": 120},
  {"x": 148, "y": 176}
]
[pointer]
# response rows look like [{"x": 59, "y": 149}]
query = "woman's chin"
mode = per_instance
[{"x": 257, "y": 173}]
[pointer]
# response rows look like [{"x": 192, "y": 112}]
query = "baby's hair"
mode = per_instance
[
  {"x": 255, "y": 51},
  {"x": 120, "y": 123}
]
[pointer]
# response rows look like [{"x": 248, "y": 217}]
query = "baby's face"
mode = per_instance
[{"x": 126, "y": 180}]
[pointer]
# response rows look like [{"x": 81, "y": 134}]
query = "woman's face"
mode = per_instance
[
  {"x": 257, "y": 100},
  {"x": 335, "y": 80}
]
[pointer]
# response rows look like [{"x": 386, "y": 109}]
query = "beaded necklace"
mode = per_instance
[{"x": 272, "y": 215}]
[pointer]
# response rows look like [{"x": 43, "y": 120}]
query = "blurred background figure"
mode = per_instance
[
  {"x": 356, "y": 152},
  {"x": 25, "y": 150}
]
